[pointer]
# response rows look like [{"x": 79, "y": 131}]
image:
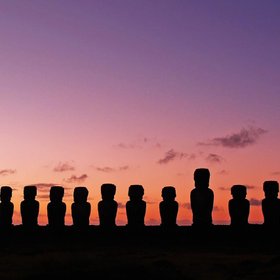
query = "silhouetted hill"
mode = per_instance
[{"x": 219, "y": 252}]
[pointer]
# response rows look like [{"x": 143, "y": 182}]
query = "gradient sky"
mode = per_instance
[{"x": 139, "y": 92}]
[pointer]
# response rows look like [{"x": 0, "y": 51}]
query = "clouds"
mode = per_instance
[
  {"x": 76, "y": 179},
  {"x": 251, "y": 187},
  {"x": 127, "y": 146},
  {"x": 223, "y": 172},
  {"x": 224, "y": 188},
  {"x": 244, "y": 138},
  {"x": 214, "y": 158},
  {"x": 186, "y": 205},
  {"x": 171, "y": 155},
  {"x": 44, "y": 186},
  {"x": 121, "y": 205},
  {"x": 108, "y": 169},
  {"x": 255, "y": 202},
  {"x": 105, "y": 169},
  {"x": 62, "y": 167},
  {"x": 44, "y": 190},
  {"x": 248, "y": 187},
  {"x": 5, "y": 172},
  {"x": 139, "y": 143}
]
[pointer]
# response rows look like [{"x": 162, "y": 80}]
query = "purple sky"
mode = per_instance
[{"x": 121, "y": 85}]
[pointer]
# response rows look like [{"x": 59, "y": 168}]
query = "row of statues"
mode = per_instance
[{"x": 201, "y": 198}]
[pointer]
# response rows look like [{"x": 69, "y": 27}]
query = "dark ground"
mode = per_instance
[{"x": 153, "y": 253}]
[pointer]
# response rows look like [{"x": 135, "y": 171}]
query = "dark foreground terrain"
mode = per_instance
[{"x": 152, "y": 253}]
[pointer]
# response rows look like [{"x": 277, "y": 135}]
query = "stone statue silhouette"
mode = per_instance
[
  {"x": 202, "y": 198},
  {"x": 6, "y": 207},
  {"x": 107, "y": 206},
  {"x": 56, "y": 208},
  {"x": 239, "y": 206},
  {"x": 80, "y": 208},
  {"x": 136, "y": 207},
  {"x": 29, "y": 207},
  {"x": 271, "y": 204},
  {"x": 168, "y": 207}
]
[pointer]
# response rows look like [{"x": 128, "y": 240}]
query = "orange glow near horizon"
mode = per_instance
[{"x": 153, "y": 197}]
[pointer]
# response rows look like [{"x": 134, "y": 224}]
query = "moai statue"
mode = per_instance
[
  {"x": 29, "y": 207},
  {"x": 136, "y": 207},
  {"x": 6, "y": 207},
  {"x": 271, "y": 204},
  {"x": 80, "y": 208},
  {"x": 239, "y": 206},
  {"x": 202, "y": 198},
  {"x": 107, "y": 206},
  {"x": 168, "y": 207},
  {"x": 56, "y": 208}
]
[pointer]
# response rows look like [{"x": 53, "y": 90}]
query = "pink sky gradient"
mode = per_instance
[{"x": 139, "y": 92}]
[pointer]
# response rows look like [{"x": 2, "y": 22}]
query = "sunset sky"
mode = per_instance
[{"x": 139, "y": 92}]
